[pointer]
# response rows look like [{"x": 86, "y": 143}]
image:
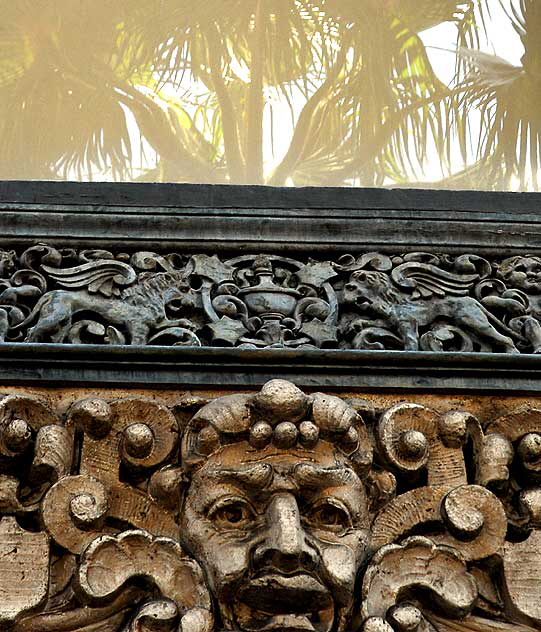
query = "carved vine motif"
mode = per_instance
[
  {"x": 416, "y": 301},
  {"x": 276, "y": 510}
]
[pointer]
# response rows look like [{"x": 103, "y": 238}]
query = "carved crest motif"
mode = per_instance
[{"x": 268, "y": 301}]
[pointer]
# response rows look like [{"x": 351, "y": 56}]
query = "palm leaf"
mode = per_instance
[{"x": 507, "y": 98}]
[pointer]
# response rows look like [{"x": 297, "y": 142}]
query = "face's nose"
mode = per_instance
[{"x": 285, "y": 546}]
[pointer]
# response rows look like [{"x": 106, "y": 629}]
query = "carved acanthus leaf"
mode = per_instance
[{"x": 418, "y": 568}]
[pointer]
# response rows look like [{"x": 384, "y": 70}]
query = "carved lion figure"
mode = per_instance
[
  {"x": 139, "y": 308},
  {"x": 375, "y": 292}
]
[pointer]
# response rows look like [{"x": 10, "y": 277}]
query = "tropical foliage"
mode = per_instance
[{"x": 313, "y": 92}]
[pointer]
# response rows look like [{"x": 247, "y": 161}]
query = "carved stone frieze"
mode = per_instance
[
  {"x": 414, "y": 301},
  {"x": 273, "y": 510}
]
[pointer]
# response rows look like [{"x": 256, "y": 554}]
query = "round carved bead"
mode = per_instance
[
  {"x": 460, "y": 508},
  {"x": 285, "y": 435},
  {"x": 412, "y": 444},
  {"x": 17, "y": 435},
  {"x": 375, "y": 624},
  {"x": 405, "y": 618},
  {"x": 138, "y": 440},
  {"x": 351, "y": 438},
  {"x": 529, "y": 448},
  {"x": 530, "y": 502},
  {"x": 260, "y": 434},
  {"x": 280, "y": 399},
  {"x": 94, "y": 416},
  {"x": 208, "y": 440},
  {"x": 86, "y": 511},
  {"x": 453, "y": 429},
  {"x": 309, "y": 434}
]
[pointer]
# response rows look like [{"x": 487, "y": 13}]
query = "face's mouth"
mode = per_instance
[
  {"x": 285, "y": 594},
  {"x": 362, "y": 301},
  {"x": 286, "y": 603},
  {"x": 289, "y": 623}
]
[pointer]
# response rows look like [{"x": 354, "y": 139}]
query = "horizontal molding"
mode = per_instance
[
  {"x": 225, "y": 218},
  {"x": 239, "y": 219},
  {"x": 359, "y": 371},
  {"x": 251, "y": 196}
]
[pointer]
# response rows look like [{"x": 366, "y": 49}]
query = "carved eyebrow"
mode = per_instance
[
  {"x": 312, "y": 476},
  {"x": 254, "y": 476}
]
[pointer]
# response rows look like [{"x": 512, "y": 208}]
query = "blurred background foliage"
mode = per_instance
[{"x": 281, "y": 92}]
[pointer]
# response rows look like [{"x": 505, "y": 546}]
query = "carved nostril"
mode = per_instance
[{"x": 269, "y": 557}]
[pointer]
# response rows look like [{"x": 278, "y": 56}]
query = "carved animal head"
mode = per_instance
[
  {"x": 7, "y": 262},
  {"x": 365, "y": 288},
  {"x": 523, "y": 273},
  {"x": 275, "y": 508}
]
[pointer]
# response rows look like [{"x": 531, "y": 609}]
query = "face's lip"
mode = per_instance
[
  {"x": 362, "y": 300},
  {"x": 288, "y": 580},
  {"x": 278, "y": 593},
  {"x": 289, "y": 622}
]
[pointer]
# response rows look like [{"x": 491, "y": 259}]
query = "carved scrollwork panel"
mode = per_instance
[{"x": 411, "y": 302}]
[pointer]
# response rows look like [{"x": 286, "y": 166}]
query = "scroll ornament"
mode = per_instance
[
  {"x": 270, "y": 510},
  {"x": 411, "y": 302}
]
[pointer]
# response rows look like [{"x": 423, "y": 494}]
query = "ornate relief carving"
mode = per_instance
[
  {"x": 416, "y": 301},
  {"x": 276, "y": 510}
]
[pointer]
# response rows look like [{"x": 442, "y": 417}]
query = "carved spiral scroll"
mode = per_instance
[
  {"x": 149, "y": 431},
  {"x": 137, "y": 432},
  {"x": 21, "y": 417},
  {"x": 413, "y": 437},
  {"x": 474, "y": 517},
  {"x": 73, "y": 511},
  {"x": 522, "y": 431}
]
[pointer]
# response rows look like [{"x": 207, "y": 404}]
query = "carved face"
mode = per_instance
[
  {"x": 280, "y": 534},
  {"x": 523, "y": 273},
  {"x": 7, "y": 262},
  {"x": 364, "y": 287}
]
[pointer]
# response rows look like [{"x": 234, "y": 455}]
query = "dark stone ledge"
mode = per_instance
[
  {"x": 361, "y": 371},
  {"x": 225, "y": 218},
  {"x": 235, "y": 220},
  {"x": 261, "y": 197}
]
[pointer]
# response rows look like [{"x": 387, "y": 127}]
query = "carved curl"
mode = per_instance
[{"x": 280, "y": 414}]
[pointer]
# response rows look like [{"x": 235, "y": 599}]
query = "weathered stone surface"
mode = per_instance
[
  {"x": 24, "y": 570},
  {"x": 375, "y": 301},
  {"x": 277, "y": 509}
]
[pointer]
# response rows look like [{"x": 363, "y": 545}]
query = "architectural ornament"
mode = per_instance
[
  {"x": 272, "y": 510},
  {"x": 413, "y": 302}
]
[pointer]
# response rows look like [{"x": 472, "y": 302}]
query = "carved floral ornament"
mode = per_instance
[
  {"x": 414, "y": 301},
  {"x": 275, "y": 510}
]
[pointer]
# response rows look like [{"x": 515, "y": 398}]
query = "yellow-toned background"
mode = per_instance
[{"x": 440, "y": 93}]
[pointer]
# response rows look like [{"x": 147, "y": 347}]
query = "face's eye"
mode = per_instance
[
  {"x": 232, "y": 513},
  {"x": 332, "y": 516}
]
